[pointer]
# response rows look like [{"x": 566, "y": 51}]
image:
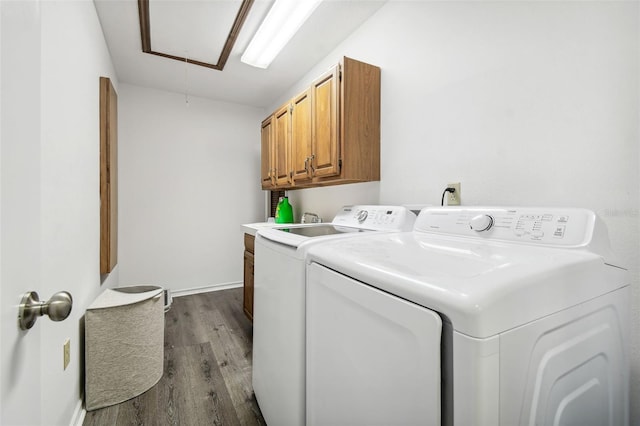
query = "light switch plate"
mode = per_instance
[{"x": 67, "y": 353}]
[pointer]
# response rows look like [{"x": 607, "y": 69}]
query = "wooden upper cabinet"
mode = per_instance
[
  {"x": 301, "y": 136},
  {"x": 282, "y": 144},
  {"x": 360, "y": 122},
  {"x": 325, "y": 148},
  {"x": 330, "y": 133},
  {"x": 267, "y": 151}
]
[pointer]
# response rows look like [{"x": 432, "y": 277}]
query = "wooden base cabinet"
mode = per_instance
[
  {"x": 249, "y": 241},
  {"x": 327, "y": 135}
]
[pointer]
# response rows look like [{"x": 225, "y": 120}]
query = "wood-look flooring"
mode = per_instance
[{"x": 207, "y": 369}]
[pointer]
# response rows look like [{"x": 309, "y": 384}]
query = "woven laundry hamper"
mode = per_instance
[{"x": 124, "y": 344}]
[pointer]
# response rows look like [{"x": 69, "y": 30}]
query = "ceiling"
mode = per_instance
[{"x": 198, "y": 31}]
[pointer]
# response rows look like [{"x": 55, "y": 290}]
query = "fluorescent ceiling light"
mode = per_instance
[{"x": 283, "y": 20}]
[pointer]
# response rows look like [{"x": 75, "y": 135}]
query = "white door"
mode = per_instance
[
  {"x": 372, "y": 358},
  {"x": 20, "y": 397}
]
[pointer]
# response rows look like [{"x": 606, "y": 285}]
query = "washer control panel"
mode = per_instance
[
  {"x": 376, "y": 217},
  {"x": 546, "y": 226}
]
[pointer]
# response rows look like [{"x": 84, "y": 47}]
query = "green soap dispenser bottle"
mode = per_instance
[{"x": 284, "y": 212}]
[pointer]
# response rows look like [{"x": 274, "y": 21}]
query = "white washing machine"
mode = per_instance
[
  {"x": 480, "y": 316},
  {"x": 279, "y": 303}
]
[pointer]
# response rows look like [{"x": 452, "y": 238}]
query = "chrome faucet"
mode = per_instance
[{"x": 310, "y": 218}]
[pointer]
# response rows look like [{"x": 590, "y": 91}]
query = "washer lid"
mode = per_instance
[{"x": 484, "y": 287}]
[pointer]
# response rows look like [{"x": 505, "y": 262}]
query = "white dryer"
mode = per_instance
[
  {"x": 480, "y": 316},
  {"x": 279, "y": 302}
]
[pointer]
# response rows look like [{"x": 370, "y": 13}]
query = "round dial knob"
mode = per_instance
[
  {"x": 482, "y": 222},
  {"x": 362, "y": 215}
]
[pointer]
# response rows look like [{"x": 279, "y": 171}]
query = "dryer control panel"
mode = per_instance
[{"x": 545, "y": 226}]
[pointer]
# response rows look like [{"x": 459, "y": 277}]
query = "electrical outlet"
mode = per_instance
[
  {"x": 453, "y": 198},
  {"x": 66, "y": 349}
]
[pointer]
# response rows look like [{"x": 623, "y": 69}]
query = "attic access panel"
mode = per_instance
[{"x": 196, "y": 32}]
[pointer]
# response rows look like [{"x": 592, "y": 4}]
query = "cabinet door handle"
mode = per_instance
[{"x": 313, "y": 170}]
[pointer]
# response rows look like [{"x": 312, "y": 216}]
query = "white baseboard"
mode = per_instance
[
  {"x": 78, "y": 414},
  {"x": 206, "y": 289}
]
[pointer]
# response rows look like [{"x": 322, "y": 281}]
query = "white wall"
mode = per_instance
[
  {"x": 524, "y": 103},
  {"x": 54, "y": 195},
  {"x": 188, "y": 178},
  {"x": 326, "y": 201}
]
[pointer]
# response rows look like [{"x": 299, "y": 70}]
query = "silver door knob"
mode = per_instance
[{"x": 58, "y": 308}]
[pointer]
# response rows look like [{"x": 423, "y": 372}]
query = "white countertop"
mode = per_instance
[{"x": 252, "y": 228}]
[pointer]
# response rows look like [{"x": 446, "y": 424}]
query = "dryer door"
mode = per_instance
[{"x": 372, "y": 358}]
